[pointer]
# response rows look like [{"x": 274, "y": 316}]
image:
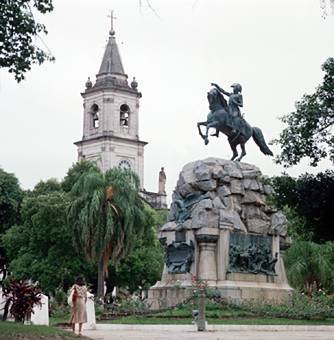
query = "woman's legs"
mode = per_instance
[
  {"x": 80, "y": 328},
  {"x": 73, "y": 327}
]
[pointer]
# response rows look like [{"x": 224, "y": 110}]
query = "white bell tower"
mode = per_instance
[{"x": 110, "y": 119}]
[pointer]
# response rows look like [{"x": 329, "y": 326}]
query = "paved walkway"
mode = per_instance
[{"x": 215, "y": 332}]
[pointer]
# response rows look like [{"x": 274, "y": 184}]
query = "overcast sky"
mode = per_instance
[{"x": 274, "y": 48}]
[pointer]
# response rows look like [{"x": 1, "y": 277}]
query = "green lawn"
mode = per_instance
[
  {"x": 144, "y": 320},
  {"x": 215, "y": 314},
  {"x": 15, "y": 331}
]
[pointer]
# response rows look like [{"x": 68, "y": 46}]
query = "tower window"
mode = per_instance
[
  {"x": 94, "y": 110},
  {"x": 124, "y": 115}
]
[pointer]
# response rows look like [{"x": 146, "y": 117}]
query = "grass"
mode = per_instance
[
  {"x": 59, "y": 320},
  {"x": 16, "y": 331},
  {"x": 217, "y": 313},
  {"x": 144, "y": 320}
]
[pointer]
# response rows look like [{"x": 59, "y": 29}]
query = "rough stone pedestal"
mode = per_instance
[{"x": 221, "y": 230}]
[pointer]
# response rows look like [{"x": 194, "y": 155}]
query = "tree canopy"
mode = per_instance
[
  {"x": 310, "y": 266},
  {"x": 41, "y": 248},
  {"x": 11, "y": 196},
  {"x": 106, "y": 214},
  {"x": 309, "y": 129},
  {"x": 309, "y": 199},
  {"x": 75, "y": 172},
  {"x": 18, "y": 32},
  {"x": 39, "y": 241},
  {"x": 142, "y": 267}
]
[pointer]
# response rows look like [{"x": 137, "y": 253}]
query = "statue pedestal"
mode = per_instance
[{"x": 219, "y": 210}]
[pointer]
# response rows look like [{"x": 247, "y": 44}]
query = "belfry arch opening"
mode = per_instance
[
  {"x": 94, "y": 110},
  {"x": 124, "y": 115}
]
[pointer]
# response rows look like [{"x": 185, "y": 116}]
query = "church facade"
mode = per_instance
[{"x": 111, "y": 121}]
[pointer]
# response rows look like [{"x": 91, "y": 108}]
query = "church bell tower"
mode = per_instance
[{"x": 110, "y": 118}]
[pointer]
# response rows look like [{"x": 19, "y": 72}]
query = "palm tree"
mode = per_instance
[
  {"x": 310, "y": 265},
  {"x": 106, "y": 214}
]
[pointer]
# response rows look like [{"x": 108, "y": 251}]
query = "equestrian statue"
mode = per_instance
[{"x": 226, "y": 118}]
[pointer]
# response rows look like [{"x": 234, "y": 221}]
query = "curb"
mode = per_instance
[{"x": 221, "y": 328}]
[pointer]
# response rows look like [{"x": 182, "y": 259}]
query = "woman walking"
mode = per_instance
[{"x": 78, "y": 294}]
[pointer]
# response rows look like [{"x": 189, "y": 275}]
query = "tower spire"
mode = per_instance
[{"x": 111, "y": 62}]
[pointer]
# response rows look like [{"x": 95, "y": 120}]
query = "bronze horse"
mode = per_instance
[{"x": 220, "y": 119}]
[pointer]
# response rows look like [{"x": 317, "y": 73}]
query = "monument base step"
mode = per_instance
[{"x": 165, "y": 295}]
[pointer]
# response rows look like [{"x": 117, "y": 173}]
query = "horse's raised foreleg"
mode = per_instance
[
  {"x": 208, "y": 126},
  {"x": 199, "y": 124}
]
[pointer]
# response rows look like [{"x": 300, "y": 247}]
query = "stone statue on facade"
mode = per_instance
[
  {"x": 162, "y": 182},
  {"x": 226, "y": 118}
]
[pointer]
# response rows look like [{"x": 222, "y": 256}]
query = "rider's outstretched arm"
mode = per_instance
[{"x": 220, "y": 89}]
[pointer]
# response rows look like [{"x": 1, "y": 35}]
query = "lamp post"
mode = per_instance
[{"x": 201, "y": 309}]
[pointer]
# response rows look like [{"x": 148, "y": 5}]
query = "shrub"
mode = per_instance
[
  {"x": 301, "y": 306},
  {"x": 132, "y": 307},
  {"x": 21, "y": 297}
]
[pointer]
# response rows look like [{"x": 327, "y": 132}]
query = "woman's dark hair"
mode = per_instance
[{"x": 80, "y": 281}]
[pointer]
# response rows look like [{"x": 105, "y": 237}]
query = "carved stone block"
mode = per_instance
[
  {"x": 223, "y": 191},
  {"x": 230, "y": 218},
  {"x": 232, "y": 170},
  {"x": 257, "y": 226},
  {"x": 279, "y": 224},
  {"x": 202, "y": 172},
  {"x": 237, "y": 187},
  {"x": 206, "y": 185},
  {"x": 252, "y": 197}
]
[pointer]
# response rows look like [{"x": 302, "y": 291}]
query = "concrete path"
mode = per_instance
[{"x": 215, "y": 332}]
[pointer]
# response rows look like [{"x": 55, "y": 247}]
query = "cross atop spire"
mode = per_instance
[
  {"x": 111, "y": 16},
  {"x": 111, "y": 62}
]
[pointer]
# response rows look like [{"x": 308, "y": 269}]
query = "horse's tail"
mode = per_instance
[{"x": 261, "y": 143}]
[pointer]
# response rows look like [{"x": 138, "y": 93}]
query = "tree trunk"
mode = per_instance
[
  {"x": 6, "y": 309},
  {"x": 100, "y": 280}
]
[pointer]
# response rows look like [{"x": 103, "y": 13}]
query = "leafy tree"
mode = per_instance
[
  {"x": 106, "y": 214},
  {"x": 41, "y": 248},
  {"x": 74, "y": 173},
  {"x": 18, "y": 31},
  {"x": 142, "y": 267},
  {"x": 11, "y": 196},
  {"x": 310, "y": 265},
  {"x": 309, "y": 128},
  {"x": 43, "y": 188},
  {"x": 296, "y": 225},
  {"x": 310, "y": 199},
  {"x": 160, "y": 217}
]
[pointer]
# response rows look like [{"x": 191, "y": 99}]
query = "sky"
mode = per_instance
[{"x": 273, "y": 48}]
